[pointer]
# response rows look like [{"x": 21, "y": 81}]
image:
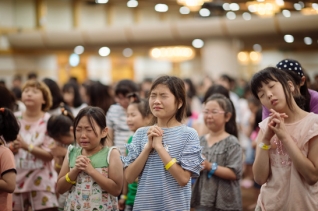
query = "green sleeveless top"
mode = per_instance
[{"x": 98, "y": 160}]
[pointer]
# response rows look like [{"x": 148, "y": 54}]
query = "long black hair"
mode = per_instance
[{"x": 9, "y": 126}]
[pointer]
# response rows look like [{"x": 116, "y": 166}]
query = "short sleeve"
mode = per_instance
[
  {"x": 6, "y": 161},
  {"x": 313, "y": 101},
  {"x": 234, "y": 159},
  {"x": 191, "y": 157},
  {"x": 110, "y": 117},
  {"x": 134, "y": 148},
  {"x": 263, "y": 124},
  {"x": 313, "y": 129}
]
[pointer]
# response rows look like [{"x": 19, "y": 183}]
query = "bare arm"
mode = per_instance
[
  {"x": 110, "y": 139},
  {"x": 114, "y": 183},
  {"x": 261, "y": 166},
  {"x": 135, "y": 168},
  {"x": 221, "y": 171},
  {"x": 7, "y": 182}
]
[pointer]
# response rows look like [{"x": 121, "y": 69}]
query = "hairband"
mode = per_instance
[
  {"x": 63, "y": 111},
  {"x": 2, "y": 109},
  {"x": 292, "y": 65}
]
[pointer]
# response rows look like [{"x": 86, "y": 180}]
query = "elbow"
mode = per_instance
[
  {"x": 312, "y": 180},
  {"x": 11, "y": 189},
  {"x": 129, "y": 179},
  {"x": 260, "y": 181},
  {"x": 116, "y": 192},
  {"x": 183, "y": 182}
]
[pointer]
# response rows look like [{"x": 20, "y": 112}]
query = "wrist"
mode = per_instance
[
  {"x": 123, "y": 197},
  {"x": 214, "y": 167}
]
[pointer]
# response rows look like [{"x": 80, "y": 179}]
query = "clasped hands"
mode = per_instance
[
  {"x": 154, "y": 134},
  {"x": 83, "y": 163},
  {"x": 276, "y": 125},
  {"x": 17, "y": 144}
]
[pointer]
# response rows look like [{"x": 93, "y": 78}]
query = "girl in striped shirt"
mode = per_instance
[{"x": 165, "y": 155}]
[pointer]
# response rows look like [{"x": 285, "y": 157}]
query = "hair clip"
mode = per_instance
[
  {"x": 65, "y": 112},
  {"x": 2, "y": 109}
]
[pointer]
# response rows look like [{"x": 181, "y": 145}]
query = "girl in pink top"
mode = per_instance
[
  {"x": 286, "y": 163},
  {"x": 36, "y": 177},
  {"x": 9, "y": 129}
]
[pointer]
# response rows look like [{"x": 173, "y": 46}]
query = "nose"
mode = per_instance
[{"x": 269, "y": 94}]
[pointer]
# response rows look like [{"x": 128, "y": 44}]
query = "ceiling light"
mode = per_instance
[
  {"x": 301, "y": 4},
  {"x": 197, "y": 43},
  {"x": 263, "y": 9},
  {"x": 74, "y": 60},
  {"x": 226, "y": 6},
  {"x": 230, "y": 15},
  {"x": 101, "y": 1},
  {"x": 286, "y": 13},
  {"x": 247, "y": 16},
  {"x": 184, "y": 10},
  {"x": 193, "y": 5},
  {"x": 297, "y": 6},
  {"x": 79, "y": 49},
  {"x": 204, "y": 12},
  {"x": 104, "y": 51},
  {"x": 234, "y": 7},
  {"x": 173, "y": 53},
  {"x": 308, "y": 40},
  {"x": 257, "y": 47},
  {"x": 289, "y": 38},
  {"x": 280, "y": 2},
  {"x": 161, "y": 7},
  {"x": 315, "y": 6},
  {"x": 132, "y": 3},
  {"x": 127, "y": 52},
  {"x": 252, "y": 8}
]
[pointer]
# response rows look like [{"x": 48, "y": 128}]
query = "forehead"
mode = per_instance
[
  {"x": 212, "y": 104},
  {"x": 132, "y": 107},
  {"x": 161, "y": 88},
  {"x": 84, "y": 121}
]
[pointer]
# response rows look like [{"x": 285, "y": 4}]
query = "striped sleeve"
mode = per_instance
[
  {"x": 191, "y": 157},
  {"x": 111, "y": 114}
]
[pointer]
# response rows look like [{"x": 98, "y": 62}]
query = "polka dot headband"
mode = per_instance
[{"x": 292, "y": 65}]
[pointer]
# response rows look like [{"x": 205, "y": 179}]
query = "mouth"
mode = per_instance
[
  {"x": 157, "y": 108},
  {"x": 274, "y": 102}
]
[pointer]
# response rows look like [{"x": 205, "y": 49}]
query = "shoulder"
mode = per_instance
[
  {"x": 5, "y": 152},
  {"x": 46, "y": 116},
  {"x": 232, "y": 140},
  {"x": 141, "y": 131},
  {"x": 18, "y": 114},
  {"x": 313, "y": 94}
]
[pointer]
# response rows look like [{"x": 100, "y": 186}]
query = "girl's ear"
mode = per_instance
[
  {"x": 302, "y": 81},
  {"x": 71, "y": 129},
  {"x": 179, "y": 105},
  {"x": 291, "y": 86},
  {"x": 104, "y": 132},
  {"x": 228, "y": 116}
]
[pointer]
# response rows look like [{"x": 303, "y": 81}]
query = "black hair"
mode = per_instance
[
  {"x": 141, "y": 104},
  {"x": 9, "y": 126},
  {"x": 192, "y": 91},
  {"x": 99, "y": 95},
  {"x": 7, "y": 98},
  {"x": 32, "y": 76},
  {"x": 125, "y": 87},
  {"x": 214, "y": 89},
  {"x": 258, "y": 118},
  {"x": 55, "y": 92},
  {"x": 273, "y": 74},
  {"x": 17, "y": 92},
  {"x": 59, "y": 125},
  {"x": 177, "y": 88},
  {"x": 227, "y": 105},
  {"x": 77, "y": 101},
  {"x": 93, "y": 114}
]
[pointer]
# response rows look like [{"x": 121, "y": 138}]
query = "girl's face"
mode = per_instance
[
  {"x": 32, "y": 96},
  {"x": 215, "y": 117},
  {"x": 67, "y": 139},
  {"x": 272, "y": 95},
  {"x": 85, "y": 135},
  {"x": 134, "y": 118},
  {"x": 162, "y": 102},
  {"x": 68, "y": 97},
  {"x": 83, "y": 93},
  {"x": 122, "y": 100}
]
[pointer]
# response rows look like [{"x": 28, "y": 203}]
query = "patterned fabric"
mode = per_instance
[
  {"x": 291, "y": 65},
  {"x": 116, "y": 120},
  {"x": 291, "y": 192},
  {"x": 157, "y": 188},
  {"x": 86, "y": 194},
  {"x": 216, "y": 193},
  {"x": 33, "y": 174}
]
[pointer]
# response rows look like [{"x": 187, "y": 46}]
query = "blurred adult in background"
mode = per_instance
[
  {"x": 16, "y": 90},
  {"x": 57, "y": 96},
  {"x": 309, "y": 98},
  {"x": 72, "y": 97},
  {"x": 145, "y": 87},
  {"x": 191, "y": 91},
  {"x": 32, "y": 76},
  {"x": 118, "y": 130}
]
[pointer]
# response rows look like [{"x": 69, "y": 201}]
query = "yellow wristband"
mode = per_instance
[
  {"x": 168, "y": 166},
  {"x": 123, "y": 197},
  {"x": 30, "y": 148},
  {"x": 69, "y": 180},
  {"x": 58, "y": 165},
  {"x": 264, "y": 146}
]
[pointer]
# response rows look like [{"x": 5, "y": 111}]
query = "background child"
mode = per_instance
[
  {"x": 36, "y": 177},
  {"x": 165, "y": 155},
  {"x": 91, "y": 172},
  {"x": 9, "y": 129},
  {"x": 218, "y": 186},
  {"x": 138, "y": 115},
  {"x": 286, "y": 162},
  {"x": 72, "y": 97},
  {"x": 60, "y": 128}
]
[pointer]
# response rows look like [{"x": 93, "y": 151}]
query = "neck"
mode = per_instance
[
  {"x": 295, "y": 114},
  {"x": 33, "y": 113},
  {"x": 168, "y": 122},
  {"x": 92, "y": 151},
  {"x": 217, "y": 133}
]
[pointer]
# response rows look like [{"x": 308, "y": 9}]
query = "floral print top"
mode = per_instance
[{"x": 86, "y": 194}]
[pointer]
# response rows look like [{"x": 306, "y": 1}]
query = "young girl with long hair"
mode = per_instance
[
  {"x": 286, "y": 163},
  {"x": 91, "y": 172},
  {"x": 36, "y": 177},
  {"x": 218, "y": 187},
  {"x": 165, "y": 155},
  {"x": 9, "y": 129}
]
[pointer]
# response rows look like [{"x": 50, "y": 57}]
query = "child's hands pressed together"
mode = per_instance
[
  {"x": 155, "y": 134},
  {"x": 83, "y": 163},
  {"x": 277, "y": 124}
]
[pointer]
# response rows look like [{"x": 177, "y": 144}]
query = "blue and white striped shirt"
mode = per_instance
[{"x": 157, "y": 189}]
